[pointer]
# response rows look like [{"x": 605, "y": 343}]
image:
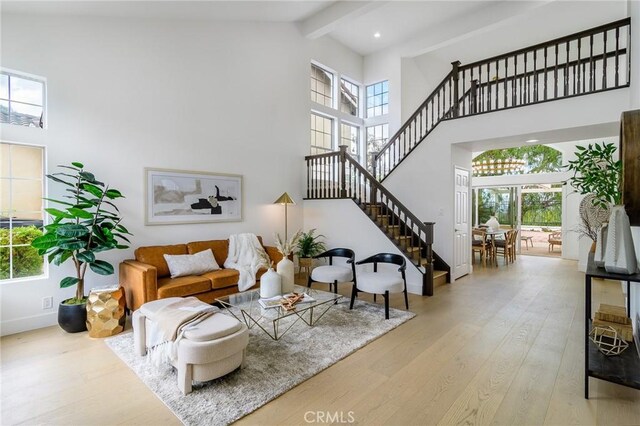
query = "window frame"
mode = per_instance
[
  {"x": 332, "y": 126},
  {"x": 45, "y": 219},
  {"x": 25, "y": 76},
  {"x": 373, "y": 96},
  {"x": 335, "y": 112}
]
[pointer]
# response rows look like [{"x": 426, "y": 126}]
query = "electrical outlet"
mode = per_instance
[{"x": 47, "y": 302}]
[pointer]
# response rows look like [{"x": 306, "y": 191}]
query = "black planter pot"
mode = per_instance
[{"x": 72, "y": 318}]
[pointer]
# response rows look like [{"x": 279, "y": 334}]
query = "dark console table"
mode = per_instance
[{"x": 623, "y": 369}]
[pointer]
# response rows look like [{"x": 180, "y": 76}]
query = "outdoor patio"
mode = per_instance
[{"x": 538, "y": 245}]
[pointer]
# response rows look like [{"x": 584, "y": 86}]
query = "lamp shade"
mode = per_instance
[{"x": 284, "y": 199}]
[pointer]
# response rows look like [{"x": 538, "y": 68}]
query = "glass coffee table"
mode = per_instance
[{"x": 277, "y": 321}]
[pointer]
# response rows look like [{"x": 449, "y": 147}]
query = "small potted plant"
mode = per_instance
[
  {"x": 86, "y": 223},
  {"x": 309, "y": 245}
]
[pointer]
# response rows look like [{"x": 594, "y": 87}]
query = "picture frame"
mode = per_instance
[{"x": 183, "y": 197}]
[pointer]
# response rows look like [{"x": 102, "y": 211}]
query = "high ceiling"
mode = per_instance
[
  {"x": 414, "y": 26},
  {"x": 257, "y": 11}
]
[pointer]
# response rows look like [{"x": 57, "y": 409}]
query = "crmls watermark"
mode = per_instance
[{"x": 329, "y": 417}]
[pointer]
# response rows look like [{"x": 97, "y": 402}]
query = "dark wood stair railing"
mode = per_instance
[
  {"x": 590, "y": 61},
  {"x": 337, "y": 175}
]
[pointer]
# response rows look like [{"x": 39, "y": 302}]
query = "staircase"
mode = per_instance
[
  {"x": 591, "y": 61},
  {"x": 338, "y": 175}
]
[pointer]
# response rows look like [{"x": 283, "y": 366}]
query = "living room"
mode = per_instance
[{"x": 223, "y": 87}]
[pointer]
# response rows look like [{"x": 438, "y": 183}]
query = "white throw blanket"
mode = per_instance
[
  {"x": 164, "y": 334},
  {"x": 247, "y": 256}
]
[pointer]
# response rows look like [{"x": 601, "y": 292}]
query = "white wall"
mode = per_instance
[
  {"x": 124, "y": 94},
  {"x": 344, "y": 224},
  {"x": 424, "y": 181}
]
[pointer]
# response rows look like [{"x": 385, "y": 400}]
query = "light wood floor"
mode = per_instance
[{"x": 502, "y": 346}]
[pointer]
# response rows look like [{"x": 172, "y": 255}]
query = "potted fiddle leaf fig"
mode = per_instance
[{"x": 85, "y": 222}]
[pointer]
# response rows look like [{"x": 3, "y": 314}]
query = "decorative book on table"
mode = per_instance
[{"x": 274, "y": 302}]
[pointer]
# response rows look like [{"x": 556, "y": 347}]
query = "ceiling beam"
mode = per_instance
[
  {"x": 467, "y": 26},
  {"x": 327, "y": 19}
]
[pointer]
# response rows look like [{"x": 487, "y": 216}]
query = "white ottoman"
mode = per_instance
[{"x": 208, "y": 350}]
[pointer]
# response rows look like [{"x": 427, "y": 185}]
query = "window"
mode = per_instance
[
  {"x": 378, "y": 99},
  {"x": 349, "y": 135},
  {"x": 21, "y": 191},
  {"x": 321, "y": 86},
  {"x": 377, "y": 137},
  {"x": 321, "y": 134},
  {"x": 349, "y": 98},
  {"x": 21, "y": 100}
]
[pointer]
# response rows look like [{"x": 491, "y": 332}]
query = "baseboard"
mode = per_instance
[{"x": 33, "y": 322}]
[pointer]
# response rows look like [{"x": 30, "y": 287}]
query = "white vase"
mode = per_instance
[
  {"x": 601, "y": 246},
  {"x": 285, "y": 270},
  {"x": 620, "y": 255},
  {"x": 493, "y": 223},
  {"x": 270, "y": 284}
]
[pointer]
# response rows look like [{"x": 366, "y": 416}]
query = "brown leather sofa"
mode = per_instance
[{"x": 147, "y": 277}]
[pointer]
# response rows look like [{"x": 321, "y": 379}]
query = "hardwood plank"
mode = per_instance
[{"x": 489, "y": 342}]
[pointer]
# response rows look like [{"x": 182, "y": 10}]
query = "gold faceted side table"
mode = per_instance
[{"x": 106, "y": 311}]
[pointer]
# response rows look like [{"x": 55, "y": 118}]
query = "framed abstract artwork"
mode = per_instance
[{"x": 180, "y": 196}]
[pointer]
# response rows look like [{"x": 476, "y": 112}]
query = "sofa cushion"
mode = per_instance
[
  {"x": 222, "y": 278},
  {"x": 220, "y": 248},
  {"x": 182, "y": 286},
  {"x": 182, "y": 265},
  {"x": 154, "y": 256},
  {"x": 260, "y": 273}
]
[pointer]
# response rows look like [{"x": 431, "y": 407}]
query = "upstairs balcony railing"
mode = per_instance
[{"x": 587, "y": 62}]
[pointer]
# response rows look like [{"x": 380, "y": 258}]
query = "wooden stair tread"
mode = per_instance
[
  {"x": 437, "y": 274},
  {"x": 412, "y": 249}
]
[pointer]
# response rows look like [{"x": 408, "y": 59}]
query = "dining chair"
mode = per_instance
[
  {"x": 505, "y": 246},
  {"x": 481, "y": 245}
]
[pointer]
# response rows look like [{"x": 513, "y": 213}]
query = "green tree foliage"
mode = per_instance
[
  {"x": 538, "y": 158},
  {"x": 542, "y": 208},
  {"x": 26, "y": 261}
]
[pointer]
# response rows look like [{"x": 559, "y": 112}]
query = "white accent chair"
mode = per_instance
[
  {"x": 210, "y": 349},
  {"x": 382, "y": 283},
  {"x": 334, "y": 274}
]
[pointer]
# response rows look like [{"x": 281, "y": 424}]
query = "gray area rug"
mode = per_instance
[{"x": 310, "y": 349}]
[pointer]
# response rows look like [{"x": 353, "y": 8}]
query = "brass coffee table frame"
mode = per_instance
[{"x": 246, "y": 307}]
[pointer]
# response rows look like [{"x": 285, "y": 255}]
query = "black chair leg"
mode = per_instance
[
  {"x": 374, "y": 297},
  {"x": 386, "y": 305},
  {"x": 406, "y": 299},
  {"x": 335, "y": 287},
  {"x": 354, "y": 291},
  {"x": 309, "y": 281}
]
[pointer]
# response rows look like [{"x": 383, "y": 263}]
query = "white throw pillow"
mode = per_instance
[{"x": 181, "y": 265}]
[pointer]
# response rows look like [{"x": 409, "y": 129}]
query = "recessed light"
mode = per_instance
[
  {"x": 532, "y": 141},
  {"x": 377, "y": 34}
]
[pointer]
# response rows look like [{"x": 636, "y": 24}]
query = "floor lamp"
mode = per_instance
[{"x": 284, "y": 199}]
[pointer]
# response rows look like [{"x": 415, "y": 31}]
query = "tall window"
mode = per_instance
[
  {"x": 321, "y": 86},
  {"x": 349, "y": 136},
  {"x": 377, "y": 137},
  {"x": 378, "y": 99},
  {"x": 21, "y": 100},
  {"x": 21, "y": 191},
  {"x": 321, "y": 134},
  {"x": 349, "y": 97}
]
